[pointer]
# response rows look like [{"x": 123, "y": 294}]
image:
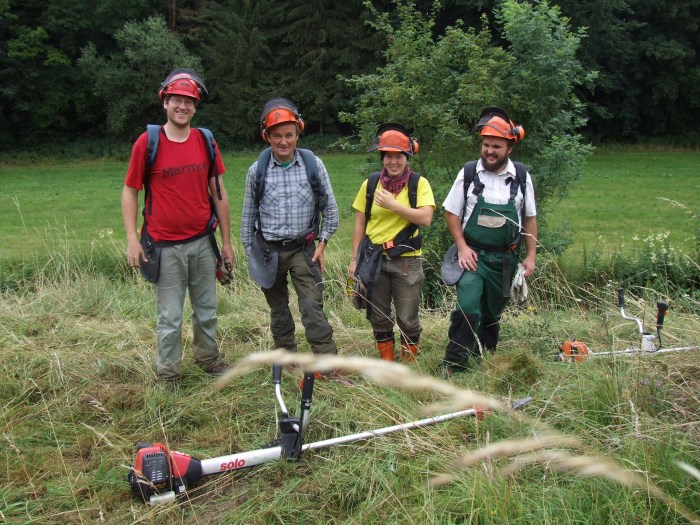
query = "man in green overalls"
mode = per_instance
[{"x": 487, "y": 219}]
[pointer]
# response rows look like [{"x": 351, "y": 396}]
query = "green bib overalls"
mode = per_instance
[{"x": 493, "y": 232}]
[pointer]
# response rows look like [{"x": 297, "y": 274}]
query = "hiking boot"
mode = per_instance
[
  {"x": 218, "y": 369},
  {"x": 448, "y": 372},
  {"x": 333, "y": 375}
]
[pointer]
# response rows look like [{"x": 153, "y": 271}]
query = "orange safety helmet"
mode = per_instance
[
  {"x": 278, "y": 111},
  {"x": 182, "y": 81},
  {"x": 394, "y": 137},
  {"x": 494, "y": 122}
]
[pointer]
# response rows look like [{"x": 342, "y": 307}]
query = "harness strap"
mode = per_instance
[{"x": 520, "y": 181}]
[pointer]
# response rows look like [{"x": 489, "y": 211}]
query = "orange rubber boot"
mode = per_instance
[
  {"x": 386, "y": 350},
  {"x": 409, "y": 352}
]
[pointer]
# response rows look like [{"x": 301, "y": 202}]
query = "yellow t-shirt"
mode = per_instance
[{"x": 384, "y": 225}]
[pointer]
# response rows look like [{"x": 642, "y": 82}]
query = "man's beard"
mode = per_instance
[{"x": 494, "y": 166}]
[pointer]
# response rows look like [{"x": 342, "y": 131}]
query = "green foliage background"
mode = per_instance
[{"x": 248, "y": 51}]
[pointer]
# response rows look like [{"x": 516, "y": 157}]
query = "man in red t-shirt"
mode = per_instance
[{"x": 179, "y": 191}]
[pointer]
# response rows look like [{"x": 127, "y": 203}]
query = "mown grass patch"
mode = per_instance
[{"x": 78, "y": 392}]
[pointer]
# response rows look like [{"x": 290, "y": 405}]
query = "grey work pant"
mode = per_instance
[
  {"x": 186, "y": 267},
  {"x": 400, "y": 281},
  {"x": 318, "y": 331}
]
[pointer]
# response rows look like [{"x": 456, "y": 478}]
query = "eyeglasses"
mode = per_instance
[{"x": 179, "y": 101}]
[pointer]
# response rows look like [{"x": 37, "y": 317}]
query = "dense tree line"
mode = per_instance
[{"x": 75, "y": 69}]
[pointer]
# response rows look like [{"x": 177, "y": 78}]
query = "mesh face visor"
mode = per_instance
[{"x": 487, "y": 115}]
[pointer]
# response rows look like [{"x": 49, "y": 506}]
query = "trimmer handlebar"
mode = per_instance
[
  {"x": 661, "y": 309},
  {"x": 625, "y": 315},
  {"x": 276, "y": 374}
]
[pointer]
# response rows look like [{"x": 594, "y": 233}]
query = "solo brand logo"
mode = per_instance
[{"x": 238, "y": 463}]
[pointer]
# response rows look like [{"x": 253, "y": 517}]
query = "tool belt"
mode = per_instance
[
  {"x": 287, "y": 245},
  {"x": 151, "y": 268},
  {"x": 263, "y": 259}
]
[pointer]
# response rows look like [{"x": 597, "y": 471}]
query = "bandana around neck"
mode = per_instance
[{"x": 394, "y": 185}]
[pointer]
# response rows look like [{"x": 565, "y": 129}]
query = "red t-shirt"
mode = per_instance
[{"x": 179, "y": 185}]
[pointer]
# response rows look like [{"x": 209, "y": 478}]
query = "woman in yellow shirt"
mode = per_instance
[{"x": 386, "y": 242}]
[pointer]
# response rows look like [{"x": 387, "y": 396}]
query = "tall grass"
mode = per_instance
[
  {"x": 600, "y": 443},
  {"x": 614, "y": 440}
]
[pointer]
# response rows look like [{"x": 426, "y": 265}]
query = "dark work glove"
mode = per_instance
[{"x": 224, "y": 271}]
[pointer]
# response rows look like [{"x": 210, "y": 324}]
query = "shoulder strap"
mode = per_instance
[
  {"x": 259, "y": 186},
  {"x": 372, "y": 182},
  {"x": 312, "y": 171},
  {"x": 404, "y": 240},
  {"x": 521, "y": 177},
  {"x": 211, "y": 150},
  {"x": 316, "y": 186},
  {"x": 469, "y": 174},
  {"x": 413, "y": 189},
  {"x": 153, "y": 131}
]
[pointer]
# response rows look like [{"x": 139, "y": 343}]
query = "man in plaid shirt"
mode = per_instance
[{"x": 282, "y": 230}]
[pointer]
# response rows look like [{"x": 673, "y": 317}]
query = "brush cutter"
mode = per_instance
[
  {"x": 576, "y": 351},
  {"x": 159, "y": 475}
]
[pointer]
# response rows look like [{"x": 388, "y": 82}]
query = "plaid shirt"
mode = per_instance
[{"x": 287, "y": 204}]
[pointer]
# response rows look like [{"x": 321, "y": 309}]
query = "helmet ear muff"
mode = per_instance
[
  {"x": 518, "y": 132},
  {"x": 414, "y": 145}
]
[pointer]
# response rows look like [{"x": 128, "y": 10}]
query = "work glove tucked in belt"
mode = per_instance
[{"x": 518, "y": 289}]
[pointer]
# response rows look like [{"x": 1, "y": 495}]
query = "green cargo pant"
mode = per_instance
[
  {"x": 318, "y": 331},
  {"x": 477, "y": 314}
]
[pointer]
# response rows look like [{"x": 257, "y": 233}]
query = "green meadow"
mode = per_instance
[
  {"x": 614, "y": 440},
  {"x": 628, "y": 195},
  {"x": 622, "y": 196}
]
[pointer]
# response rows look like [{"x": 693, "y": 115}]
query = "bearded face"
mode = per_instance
[{"x": 494, "y": 153}]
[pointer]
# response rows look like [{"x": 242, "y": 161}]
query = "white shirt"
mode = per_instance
[{"x": 496, "y": 191}]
